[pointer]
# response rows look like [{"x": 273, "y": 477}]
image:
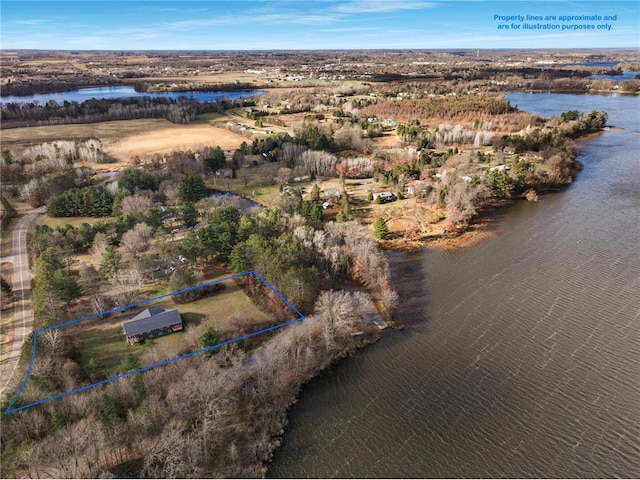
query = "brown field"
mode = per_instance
[
  {"x": 127, "y": 138},
  {"x": 167, "y": 137}
]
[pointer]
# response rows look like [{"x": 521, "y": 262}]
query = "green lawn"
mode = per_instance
[
  {"x": 101, "y": 350},
  {"x": 207, "y": 117},
  {"x": 264, "y": 191}
]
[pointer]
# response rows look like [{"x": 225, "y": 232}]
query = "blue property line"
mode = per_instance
[{"x": 158, "y": 364}]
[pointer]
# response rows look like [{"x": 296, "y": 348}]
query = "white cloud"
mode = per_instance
[
  {"x": 258, "y": 20},
  {"x": 29, "y": 23},
  {"x": 380, "y": 6}
]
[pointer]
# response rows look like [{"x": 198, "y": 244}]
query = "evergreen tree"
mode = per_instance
[
  {"x": 190, "y": 214},
  {"x": 380, "y": 228},
  {"x": 191, "y": 188},
  {"x": 110, "y": 263},
  {"x": 215, "y": 160},
  {"x": 315, "y": 193},
  {"x": 209, "y": 339}
]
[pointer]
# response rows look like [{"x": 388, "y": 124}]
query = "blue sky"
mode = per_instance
[{"x": 303, "y": 24}]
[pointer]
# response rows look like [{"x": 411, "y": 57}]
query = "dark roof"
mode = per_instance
[
  {"x": 151, "y": 319},
  {"x": 148, "y": 312}
]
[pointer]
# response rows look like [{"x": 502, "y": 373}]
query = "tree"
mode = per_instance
[
  {"x": 65, "y": 285},
  {"x": 344, "y": 213},
  {"x": 380, "y": 228},
  {"x": 215, "y": 160},
  {"x": 180, "y": 279},
  {"x": 133, "y": 179},
  {"x": 191, "y": 188},
  {"x": 209, "y": 339},
  {"x": 110, "y": 264},
  {"x": 315, "y": 193},
  {"x": 138, "y": 238},
  {"x": 154, "y": 217},
  {"x": 190, "y": 214}
]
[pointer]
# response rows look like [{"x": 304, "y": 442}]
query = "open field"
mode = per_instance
[
  {"x": 166, "y": 137},
  {"x": 128, "y": 138}
]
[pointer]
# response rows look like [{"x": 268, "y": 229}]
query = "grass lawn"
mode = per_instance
[
  {"x": 265, "y": 192},
  {"x": 207, "y": 117},
  {"x": 54, "y": 222}
]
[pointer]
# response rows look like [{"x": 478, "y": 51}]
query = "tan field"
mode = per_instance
[
  {"x": 128, "y": 138},
  {"x": 167, "y": 137}
]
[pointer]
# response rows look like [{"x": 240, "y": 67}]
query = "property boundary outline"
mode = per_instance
[{"x": 297, "y": 319}]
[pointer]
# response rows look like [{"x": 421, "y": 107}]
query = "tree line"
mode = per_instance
[{"x": 181, "y": 110}]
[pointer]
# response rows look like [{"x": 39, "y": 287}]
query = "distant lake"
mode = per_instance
[
  {"x": 100, "y": 93},
  {"x": 617, "y": 78},
  {"x": 594, "y": 64}
]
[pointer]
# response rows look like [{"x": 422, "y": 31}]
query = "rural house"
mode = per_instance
[{"x": 151, "y": 323}]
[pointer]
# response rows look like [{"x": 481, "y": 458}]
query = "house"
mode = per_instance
[{"x": 151, "y": 323}]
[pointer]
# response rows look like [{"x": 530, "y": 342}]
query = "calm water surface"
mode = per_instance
[
  {"x": 522, "y": 354},
  {"x": 84, "y": 94}
]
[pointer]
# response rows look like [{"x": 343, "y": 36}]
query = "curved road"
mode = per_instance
[{"x": 22, "y": 323}]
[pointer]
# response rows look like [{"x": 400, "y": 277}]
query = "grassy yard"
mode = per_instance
[
  {"x": 101, "y": 345},
  {"x": 207, "y": 117},
  {"x": 54, "y": 222}
]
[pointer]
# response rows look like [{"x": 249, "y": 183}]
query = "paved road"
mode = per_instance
[{"x": 22, "y": 323}]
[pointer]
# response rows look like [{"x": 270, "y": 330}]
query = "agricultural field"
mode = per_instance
[{"x": 125, "y": 139}]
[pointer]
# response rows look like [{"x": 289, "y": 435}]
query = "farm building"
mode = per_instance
[{"x": 151, "y": 323}]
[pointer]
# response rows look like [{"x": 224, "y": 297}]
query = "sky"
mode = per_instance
[{"x": 313, "y": 24}]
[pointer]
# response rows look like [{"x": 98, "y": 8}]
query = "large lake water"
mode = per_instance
[
  {"x": 84, "y": 94},
  {"x": 521, "y": 356}
]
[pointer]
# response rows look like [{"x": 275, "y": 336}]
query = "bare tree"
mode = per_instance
[
  {"x": 136, "y": 204},
  {"x": 137, "y": 239}
]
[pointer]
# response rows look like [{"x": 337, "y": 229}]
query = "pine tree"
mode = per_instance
[{"x": 380, "y": 228}]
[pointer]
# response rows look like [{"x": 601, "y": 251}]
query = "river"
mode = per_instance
[
  {"x": 110, "y": 93},
  {"x": 521, "y": 356}
]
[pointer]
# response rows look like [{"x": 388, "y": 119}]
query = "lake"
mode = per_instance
[
  {"x": 520, "y": 356},
  {"x": 84, "y": 94}
]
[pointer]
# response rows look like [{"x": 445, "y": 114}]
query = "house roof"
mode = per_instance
[{"x": 151, "y": 319}]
